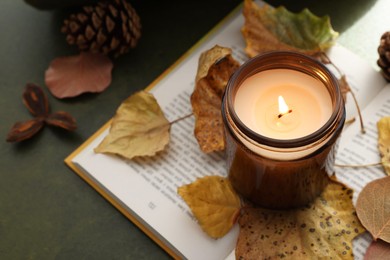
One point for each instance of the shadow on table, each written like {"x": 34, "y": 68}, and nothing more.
{"x": 343, "y": 13}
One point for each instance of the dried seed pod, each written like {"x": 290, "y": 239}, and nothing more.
{"x": 35, "y": 100}
{"x": 24, "y": 130}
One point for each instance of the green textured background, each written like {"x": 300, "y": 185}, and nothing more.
{"x": 47, "y": 211}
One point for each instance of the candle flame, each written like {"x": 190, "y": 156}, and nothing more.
{"x": 283, "y": 108}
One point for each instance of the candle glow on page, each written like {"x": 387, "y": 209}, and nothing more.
{"x": 256, "y": 103}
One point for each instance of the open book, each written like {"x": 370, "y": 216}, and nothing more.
{"x": 145, "y": 189}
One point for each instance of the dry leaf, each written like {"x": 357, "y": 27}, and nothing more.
{"x": 324, "y": 229}
{"x": 214, "y": 203}
{"x": 74, "y": 75}
{"x": 373, "y": 208}
{"x": 267, "y": 28}
{"x": 214, "y": 70}
{"x": 384, "y": 142}
{"x": 139, "y": 128}
{"x": 378, "y": 250}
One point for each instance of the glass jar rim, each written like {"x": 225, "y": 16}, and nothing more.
{"x": 285, "y": 60}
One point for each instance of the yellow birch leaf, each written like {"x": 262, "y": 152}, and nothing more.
{"x": 139, "y": 128}
{"x": 267, "y": 28}
{"x": 384, "y": 142}
{"x": 322, "y": 230}
{"x": 214, "y": 203}
{"x": 214, "y": 70}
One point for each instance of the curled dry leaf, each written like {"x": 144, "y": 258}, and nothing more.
{"x": 214, "y": 70}
{"x": 74, "y": 75}
{"x": 139, "y": 128}
{"x": 214, "y": 203}
{"x": 373, "y": 208}
{"x": 267, "y": 28}
{"x": 378, "y": 250}
{"x": 322, "y": 230}
{"x": 383, "y": 126}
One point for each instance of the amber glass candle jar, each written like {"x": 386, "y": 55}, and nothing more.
{"x": 279, "y": 157}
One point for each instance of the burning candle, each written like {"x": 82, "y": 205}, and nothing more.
{"x": 282, "y": 113}
{"x": 260, "y": 97}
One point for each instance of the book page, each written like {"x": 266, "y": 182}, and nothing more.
{"x": 356, "y": 148}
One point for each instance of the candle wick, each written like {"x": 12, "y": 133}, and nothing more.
{"x": 282, "y": 114}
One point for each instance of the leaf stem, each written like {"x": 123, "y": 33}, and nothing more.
{"x": 357, "y": 166}
{"x": 362, "y": 129}
{"x": 180, "y": 118}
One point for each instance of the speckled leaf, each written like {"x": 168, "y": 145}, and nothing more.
{"x": 139, "y": 128}
{"x": 384, "y": 142}
{"x": 378, "y": 250}
{"x": 267, "y": 28}
{"x": 74, "y": 75}
{"x": 214, "y": 203}
{"x": 373, "y": 208}
{"x": 322, "y": 230}
{"x": 214, "y": 70}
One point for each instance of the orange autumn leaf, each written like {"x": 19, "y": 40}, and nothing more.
{"x": 214, "y": 203}
{"x": 322, "y": 230}
{"x": 383, "y": 126}
{"x": 214, "y": 70}
{"x": 373, "y": 208}
{"x": 74, "y": 75}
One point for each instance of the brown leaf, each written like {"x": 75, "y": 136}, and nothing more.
{"x": 139, "y": 128}
{"x": 322, "y": 230}
{"x": 36, "y": 100}
{"x": 383, "y": 126}
{"x": 74, "y": 75}
{"x": 378, "y": 250}
{"x": 214, "y": 70}
{"x": 21, "y": 131}
{"x": 373, "y": 208}
{"x": 62, "y": 119}
{"x": 214, "y": 203}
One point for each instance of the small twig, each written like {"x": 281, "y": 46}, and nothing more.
{"x": 180, "y": 118}
{"x": 362, "y": 129}
{"x": 358, "y": 166}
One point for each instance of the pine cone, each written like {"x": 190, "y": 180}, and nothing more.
{"x": 384, "y": 55}
{"x": 110, "y": 27}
